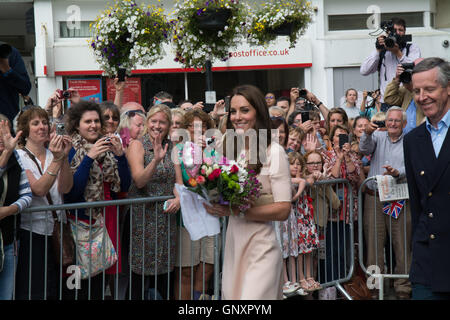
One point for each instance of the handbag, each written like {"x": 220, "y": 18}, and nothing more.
{"x": 95, "y": 250}
{"x": 356, "y": 287}
{"x": 58, "y": 238}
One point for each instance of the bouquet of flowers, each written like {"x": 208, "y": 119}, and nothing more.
{"x": 227, "y": 183}
{"x": 127, "y": 35}
{"x": 194, "y": 45}
{"x": 293, "y": 15}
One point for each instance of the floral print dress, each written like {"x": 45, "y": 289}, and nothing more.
{"x": 308, "y": 238}
{"x": 153, "y": 236}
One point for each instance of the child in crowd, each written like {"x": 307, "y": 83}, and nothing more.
{"x": 308, "y": 239}
{"x": 295, "y": 139}
{"x": 289, "y": 231}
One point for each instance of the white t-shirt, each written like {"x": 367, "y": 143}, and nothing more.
{"x": 40, "y": 222}
{"x": 352, "y": 112}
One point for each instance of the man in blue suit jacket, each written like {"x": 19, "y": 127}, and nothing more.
{"x": 427, "y": 163}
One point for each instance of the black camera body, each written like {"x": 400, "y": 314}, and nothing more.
{"x": 406, "y": 75}
{"x": 5, "y": 50}
{"x": 392, "y": 37}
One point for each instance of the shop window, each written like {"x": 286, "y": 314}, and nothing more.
{"x": 68, "y": 31}
{"x": 359, "y": 21}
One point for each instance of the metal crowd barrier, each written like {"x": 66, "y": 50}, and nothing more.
{"x": 120, "y": 282}
{"x": 404, "y": 223}
{"x": 333, "y": 261}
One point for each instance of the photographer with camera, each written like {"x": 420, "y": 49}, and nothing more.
{"x": 391, "y": 49}
{"x": 369, "y": 110}
{"x": 403, "y": 95}
{"x": 55, "y": 107}
{"x": 312, "y": 103}
{"x": 13, "y": 80}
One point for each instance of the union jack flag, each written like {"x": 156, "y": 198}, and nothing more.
{"x": 393, "y": 208}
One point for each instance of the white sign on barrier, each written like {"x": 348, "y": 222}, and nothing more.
{"x": 390, "y": 190}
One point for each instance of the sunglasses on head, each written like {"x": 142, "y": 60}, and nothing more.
{"x": 132, "y": 113}
{"x": 277, "y": 118}
{"x": 270, "y": 97}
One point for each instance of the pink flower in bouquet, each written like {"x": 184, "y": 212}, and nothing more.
{"x": 203, "y": 172}
{"x": 200, "y": 179}
{"x": 234, "y": 169}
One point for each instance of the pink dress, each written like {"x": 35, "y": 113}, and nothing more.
{"x": 252, "y": 267}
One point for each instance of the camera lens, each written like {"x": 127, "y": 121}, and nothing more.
{"x": 390, "y": 42}
{"x": 66, "y": 94}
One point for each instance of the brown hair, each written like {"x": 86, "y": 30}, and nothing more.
{"x": 23, "y": 122}
{"x": 293, "y": 156}
{"x": 306, "y": 155}
{"x": 75, "y": 113}
{"x": 341, "y": 127}
{"x": 190, "y": 115}
{"x": 257, "y": 100}
{"x": 297, "y": 131}
{"x": 334, "y": 111}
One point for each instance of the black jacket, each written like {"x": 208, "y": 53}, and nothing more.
{"x": 429, "y": 194}
{"x": 13, "y": 83}
{"x": 14, "y": 170}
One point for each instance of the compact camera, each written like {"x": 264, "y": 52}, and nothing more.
{"x": 66, "y": 94}
{"x": 60, "y": 129}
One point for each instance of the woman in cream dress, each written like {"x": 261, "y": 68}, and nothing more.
{"x": 252, "y": 267}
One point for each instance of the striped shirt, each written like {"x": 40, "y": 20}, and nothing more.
{"x": 25, "y": 194}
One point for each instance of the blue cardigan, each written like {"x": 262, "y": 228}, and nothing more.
{"x": 81, "y": 176}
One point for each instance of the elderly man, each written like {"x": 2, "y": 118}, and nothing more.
{"x": 427, "y": 162}
{"x": 386, "y": 149}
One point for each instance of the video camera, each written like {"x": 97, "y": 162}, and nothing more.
{"x": 392, "y": 37}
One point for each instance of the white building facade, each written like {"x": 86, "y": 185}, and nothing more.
{"x": 326, "y": 60}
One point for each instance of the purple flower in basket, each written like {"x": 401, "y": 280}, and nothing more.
{"x": 148, "y": 14}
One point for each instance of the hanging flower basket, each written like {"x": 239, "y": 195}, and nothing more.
{"x": 213, "y": 19}
{"x": 127, "y": 35}
{"x": 207, "y": 30}
{"x": 286, "y": 29}
{"x": 280, "y": 18}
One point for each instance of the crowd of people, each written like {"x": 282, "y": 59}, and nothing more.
{"x": 93, "y": 152}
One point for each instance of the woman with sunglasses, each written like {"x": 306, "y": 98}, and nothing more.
{"x": 111, "y": 116}
{"x": 131, "y": 127}
{"x": 270, "y": 99}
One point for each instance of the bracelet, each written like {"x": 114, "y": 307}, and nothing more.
{"x": 318, "y": 105}
{"x": 59, "y": 159}
{"x": 51, "y": 173}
